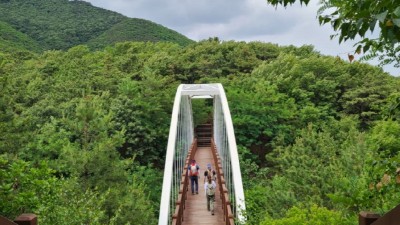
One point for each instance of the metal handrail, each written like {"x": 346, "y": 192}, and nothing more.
{"x": 226, "y": 205}
{"x": 177, "y": 217}
{"x": 170, "y": 178}
{"x": 230, "y": 160}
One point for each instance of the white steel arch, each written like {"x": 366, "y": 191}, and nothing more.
{"x": 225, "y": 140}
{"x": 181, "y": 109}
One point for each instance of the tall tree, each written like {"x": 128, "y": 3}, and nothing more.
{"x": 351, "y": 19}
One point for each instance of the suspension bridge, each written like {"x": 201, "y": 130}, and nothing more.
{"x": 215, "y": 144}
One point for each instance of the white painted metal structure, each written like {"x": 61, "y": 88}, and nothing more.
{"x": 181, "y": 137}
{"x": 225, "y": 141}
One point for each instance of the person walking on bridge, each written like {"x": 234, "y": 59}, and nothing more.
{"x": 210, "y": 187}
{"x": 211, "y": 172}
{"x": 194, "y": 171}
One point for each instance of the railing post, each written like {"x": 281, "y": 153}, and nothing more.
{"x": 227, "y": 208}
{"x": 367, "y": 218}
{"x": 26, "y": 219}
{"x": 6, "y": 221}
{"x": 175, "y": 219}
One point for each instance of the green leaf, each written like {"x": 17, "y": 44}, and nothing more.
{"x": 396, "y": 22}
{"x": 345, "y": 29}
{"x": 363, "y": 29}
{"x": 327, "y": 19}
{"x": 372, "y": 25}
{"x": 335, "y": 13}
{"x": 366, "y": 48}
{"x": 340, "y": 39}
{"x": 381, "y": 17}
{"x": 358, "y": 50}
{"x": 320, "y": 19}
{"x": 397, "y": 11}
{"x": 324, "y": 19}
{"x": 359, "y": 23}
{"x": 336, "y": 24}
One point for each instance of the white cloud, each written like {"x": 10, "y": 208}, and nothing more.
{"x": 240, "y": 20}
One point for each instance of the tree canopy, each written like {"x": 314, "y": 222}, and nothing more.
{"x": 351, "y": 19}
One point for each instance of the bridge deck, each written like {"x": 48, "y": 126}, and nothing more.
{"x": 196, "y": 205}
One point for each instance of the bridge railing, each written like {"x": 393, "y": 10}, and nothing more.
{"x": 369, "y": 218}
{"x": 225, "y": 143}
{"x": 177, "y": 217}
{"x": 181, "y": 136}
{"x": 226, "y": 203}
{"x": 23, "y": 219}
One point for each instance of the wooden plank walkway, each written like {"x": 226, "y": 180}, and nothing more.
{"x": 196, "y": 212}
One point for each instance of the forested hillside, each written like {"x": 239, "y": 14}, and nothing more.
{"x": 62, "y": 24}
{"x": 137, "y": 30}
{"x": 13, "y": 40}
{"x": 83, "y": 134}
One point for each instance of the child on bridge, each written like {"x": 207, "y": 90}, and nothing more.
{"x": 210, "y": 172}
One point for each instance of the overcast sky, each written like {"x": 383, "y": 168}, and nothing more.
{"x": 239, "y": 20}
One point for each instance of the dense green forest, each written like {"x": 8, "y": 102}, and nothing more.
{"x": 62, "y": 24}
{"x": 84, "y": 133}
{"x": 13, "y": 40}
{"x": 84, "y": 122}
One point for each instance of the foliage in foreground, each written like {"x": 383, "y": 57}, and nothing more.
{"x": 313, "y": 215}
{"x": 381, "y": 17}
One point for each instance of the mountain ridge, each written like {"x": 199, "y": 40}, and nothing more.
{"x": 62, "y": 24}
